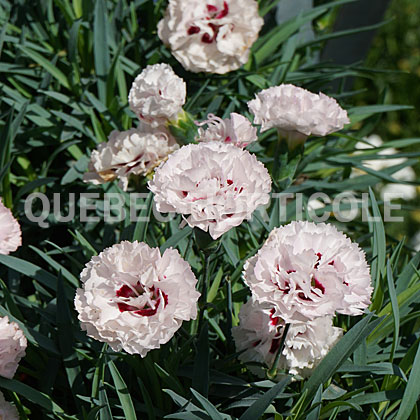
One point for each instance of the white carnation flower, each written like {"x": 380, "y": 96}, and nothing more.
{"x": 7, "y": 410}
{"x": 259, "y": 335}
{"x": 157, "y": 94}
{"x": 214, "y": 185}
{"x": 213, "y": 36}
{"x": 297, "y": 113}
{"x": 134, "y": 298}
{"x": 307, "y": 270}
{"x": 236, "y": 130}
{"x": 10, "y": 232}
{"x": 132, "y": 152}
{"x": 12, "y": 347}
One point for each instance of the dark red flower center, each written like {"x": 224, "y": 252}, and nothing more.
{"x": 213, "y": 13}
{"x": 150, "y": 308}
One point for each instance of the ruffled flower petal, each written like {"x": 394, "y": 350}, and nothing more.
{"x": 134, "y": 298}
{"x": 210, "y": 36}
{"x": 12, "y": 347}
{"x": 259, "y": 334}
{"x": 307, "y": 270}
{"x": 214, "y": 185}
{"x": 297, "y": 113}
{"x": 126, "y": 153}
{"x": 236, "y": 130}
{"x": 10, "y": 232}
{"x": 157, "y": 94}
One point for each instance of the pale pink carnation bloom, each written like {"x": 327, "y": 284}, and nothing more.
{"x": 12, "y": 347}
{"x": 126, "y": 153}
{"x": 134, "y": 298}
{"x": 215, "y": 186}
{"x": 307, "y": 270}
{"x": 7, "y": 410}
{"x": 213, "y": 36}
{"x": 297, "y": 113}
{"x": 10, "y": 232}
{"x": 259, "y": 335}
{"x": 236, "y": 130}
{"x": 157, "y": 94}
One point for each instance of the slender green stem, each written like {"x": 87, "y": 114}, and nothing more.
{"x": 273, "y": 370}
{"x": 204, "y": 286}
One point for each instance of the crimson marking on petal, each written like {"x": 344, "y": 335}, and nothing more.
{"x": 274, "y": 320}
{"x": 193, "y": 30}
{"x": 331, "y": 262}
{"x": 211, "y": 8}
{"x": 224, "y": 12}
{"x": 229, "y": 182}
{"x": 255, "y": 343}
{"x": 207, "y": 39}
{"x": 275, "y": 344}
{"x": 123, "y": 307}
{"x": 184, "y": 193}
{"x": 125, "y": 292}
{"x": 318, "y": 285}
{"x": 228, "y": 139}
{"x": 290, "y": 271}
{"x": 319, "y": 255}
{"x": 148, "y": 311}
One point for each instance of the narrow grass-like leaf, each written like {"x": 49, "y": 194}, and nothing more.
{"x": 147, "y": 400}
{"x": 210, "y": 409}
{"x": 411, "y": 392}
{"x": 200, "y": 380}
{"x": 143, "y": 219}
{"x": 123, "y": 392}
{"x": 395, "y": 309}
{"x": 100, "y": 48}
{"x": 46, "y": 64}
{"x": 31, "y": 394}
{"x": 258, "y": 408}
{"x": 65, "y": 273}
{"x": 339, "y": 354}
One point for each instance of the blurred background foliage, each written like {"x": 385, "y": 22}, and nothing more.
{"x": 396, "y": 47}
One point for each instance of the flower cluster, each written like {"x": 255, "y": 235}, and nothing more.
{"x": 134, "y": 298}
{"x": 212, "y": 35}
{"x": 214, "y": 185}
{"x": 12, "y": 347}
{"x": 156, "y": 96}
{"x": 302, "y": 276}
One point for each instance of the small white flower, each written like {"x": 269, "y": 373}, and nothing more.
{"x": 157, "y": 94}
{"x": 7, "y": 410}
{"x": 10, "y": 232}
{"x": 307, "y": 270}
{"x": 213, "y": 36}
{"x": 134, "y": 298}
{"x": 236, "y": 130}
{"x": 259, "y": 335}
{"x": 214, "y": 185}
{"x": 297, "y": 113}
{"x": 132, "y": 152}
{"x": 12, "y": 347}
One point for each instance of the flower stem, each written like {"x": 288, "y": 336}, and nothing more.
{"x": 272, "y": 373}
{"x": 204, "y": 286}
